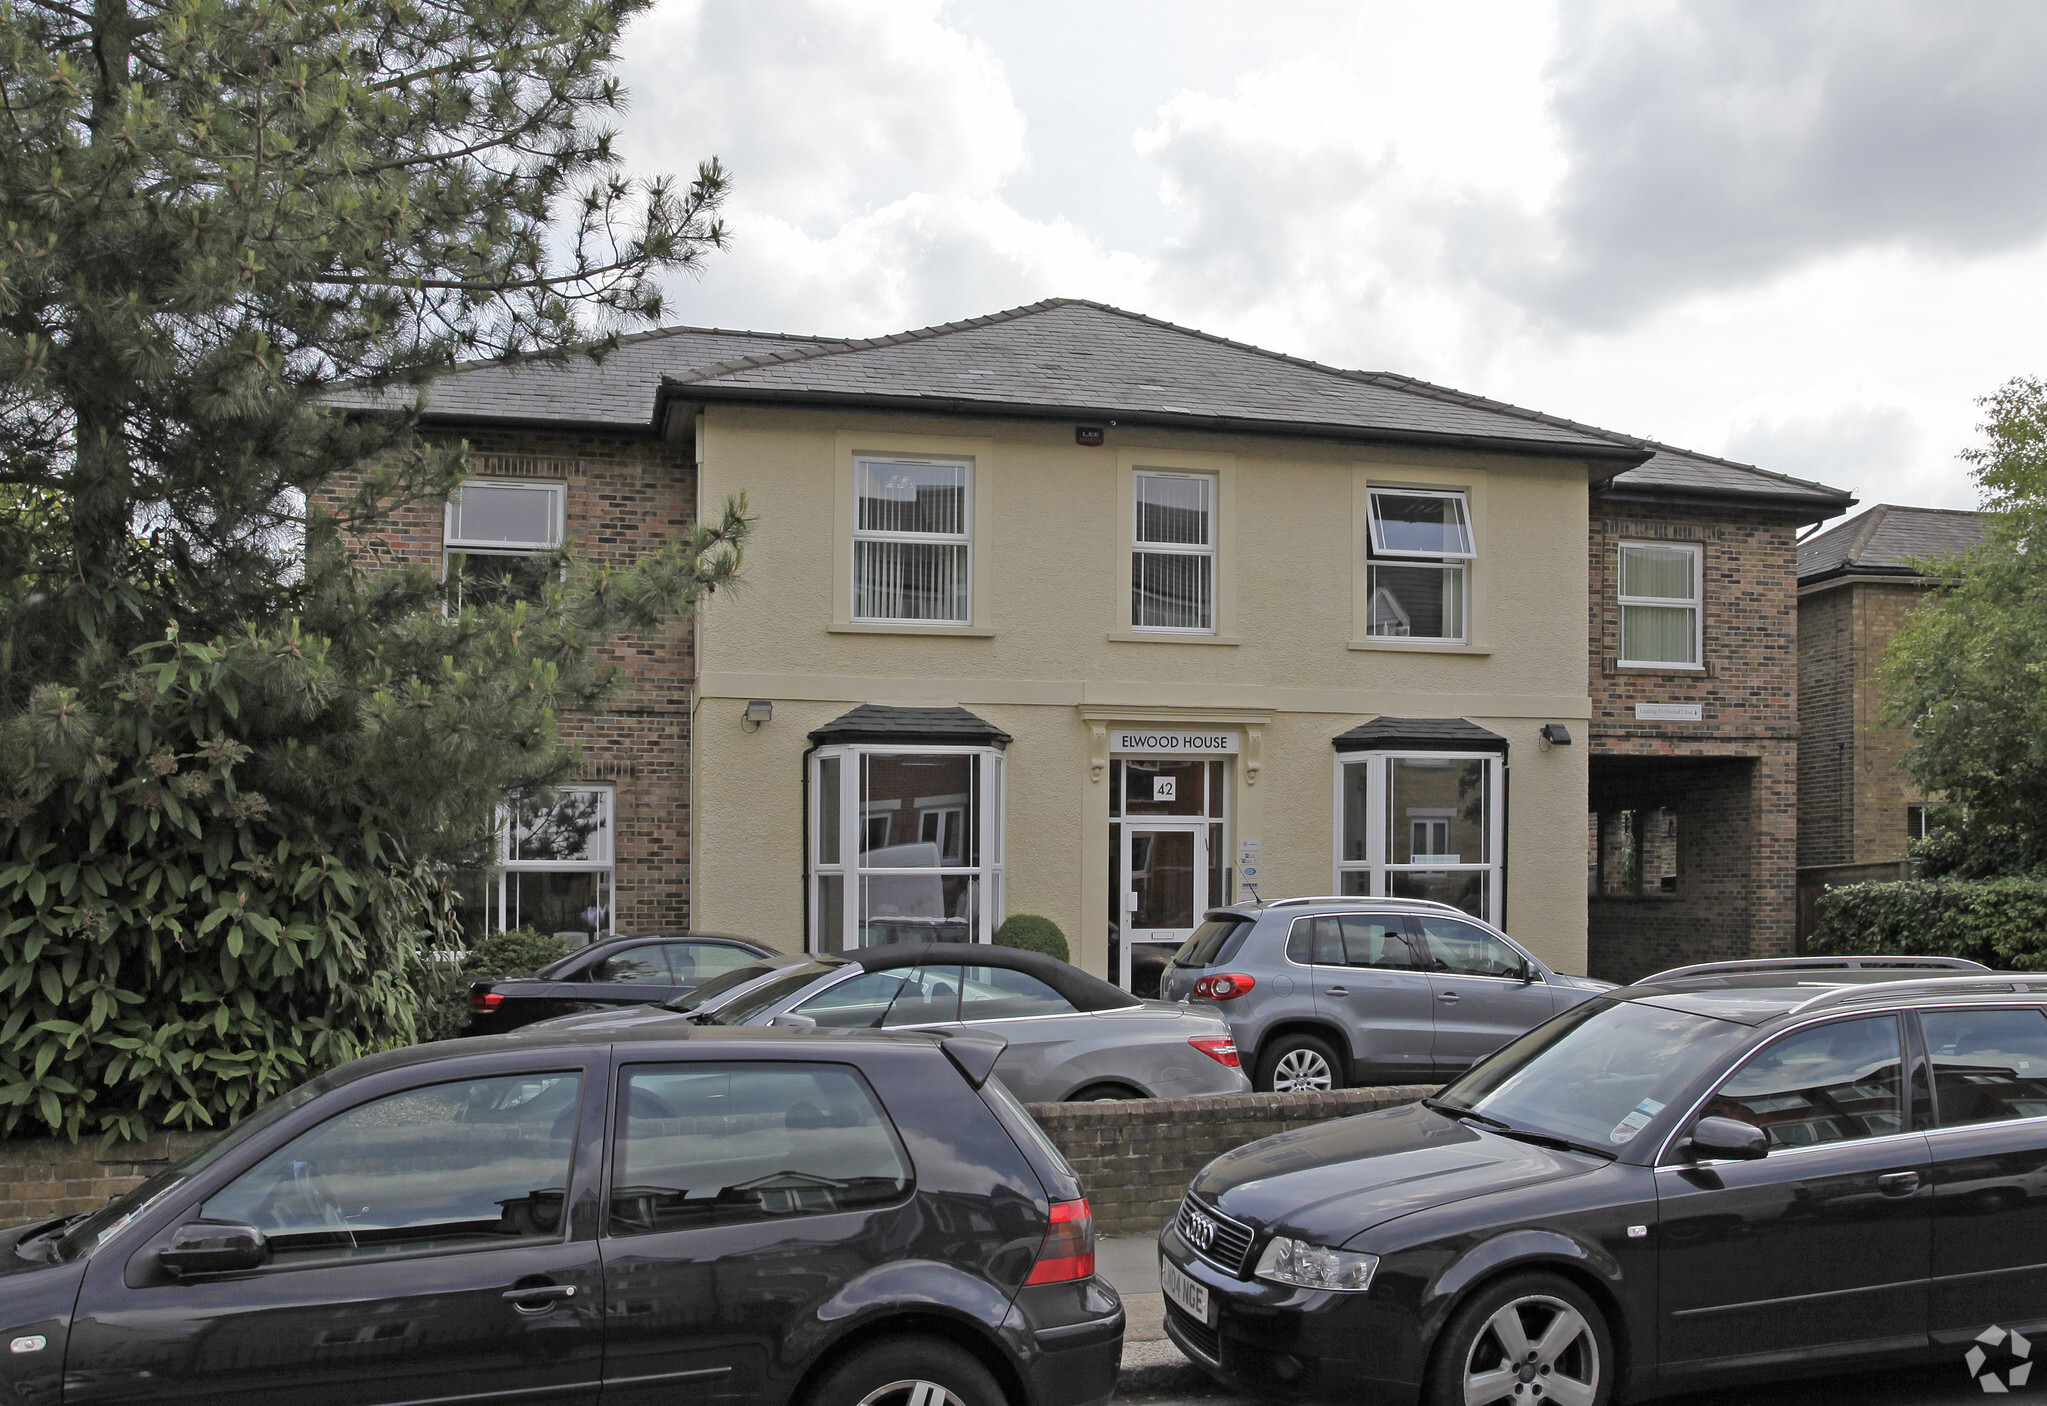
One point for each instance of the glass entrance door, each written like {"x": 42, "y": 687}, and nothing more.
{"x": 1165, "y": 869}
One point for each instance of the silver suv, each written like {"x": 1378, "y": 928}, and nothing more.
{"x": 1322, "y": 993}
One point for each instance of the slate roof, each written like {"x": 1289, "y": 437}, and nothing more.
{"x": 881, "y": 722}
{"x": 1884, "y": 541}
{"x": 1420, "y": 734}
{"x": 1071, "y": 359}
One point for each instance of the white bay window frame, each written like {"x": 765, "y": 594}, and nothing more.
{"x": 1376, "y": 866}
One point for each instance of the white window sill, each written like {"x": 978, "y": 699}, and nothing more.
{"x": 1402, "y": 646}
{"x": 877, "y": 627}
{"x": 1169, "y": 637}
{"x": 1622, "y": 665}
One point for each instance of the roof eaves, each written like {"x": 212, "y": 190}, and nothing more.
{"x": 1609, "y": 452}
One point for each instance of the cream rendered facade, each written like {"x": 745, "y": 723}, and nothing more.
{"x": 1050, "y": 656}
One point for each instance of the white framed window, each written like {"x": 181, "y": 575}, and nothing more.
{"x": 500, "y": 540}
{"x": 912, "y": 548}
{"x": 1659, "y": 600}
{"x": 905, "y": 845}
{"x": 556, "y": 864}
{"x": 1418, "y": 572}
{"x": 1172, "y": 559}
{"x": 1422, "y": 825}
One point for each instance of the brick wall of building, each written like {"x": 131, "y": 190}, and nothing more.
{"x": 625, "y": 496}
{"x": 1733, "y": 775}
{"x": 1826, "y": 727}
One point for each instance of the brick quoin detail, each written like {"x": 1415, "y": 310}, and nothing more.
{"x": 625, "y": 496}
{"x": 1732, "y": 777}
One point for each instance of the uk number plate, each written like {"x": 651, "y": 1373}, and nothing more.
{"x": 1191, "y": 1297}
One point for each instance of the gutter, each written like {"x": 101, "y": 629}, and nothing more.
{"x": 1808, "y": 508}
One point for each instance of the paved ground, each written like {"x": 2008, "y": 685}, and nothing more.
{"x": 1155, "y": 1373}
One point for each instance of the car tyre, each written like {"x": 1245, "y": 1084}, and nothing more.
{"x": 1527, "y": 1340}
{"x": 1299, "y": 1064}
{"x": 908, "y": 1372}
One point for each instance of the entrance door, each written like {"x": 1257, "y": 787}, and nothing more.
{"x": 1165, "y": 883}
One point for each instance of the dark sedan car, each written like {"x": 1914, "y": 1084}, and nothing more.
{"x": 661, "y": 1214}
{"x": 621, "y": 971}
{"x": 1720, "y": 1175}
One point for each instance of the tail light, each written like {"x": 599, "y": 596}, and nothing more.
{"x": 1069, "y": 1249}
{"x": 1226, "y": 986}
{"x": 486, "y": 1000}
{"x": 1220, "y": 1048}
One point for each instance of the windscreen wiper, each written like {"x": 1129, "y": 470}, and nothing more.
{"x": 1451, "y": 1111}
{"x": 1506, "y": 1129}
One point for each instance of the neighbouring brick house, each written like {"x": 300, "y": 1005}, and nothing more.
{"x": 1858, "y": 810}
{"x": 1044, "y": 416}
{"x": 1694, "y": 680}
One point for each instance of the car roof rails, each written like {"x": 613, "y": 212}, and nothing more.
{"x": 1377, "y": 901}
{"x": 2013, "y": 983}
{"x": 1775, "y": 964}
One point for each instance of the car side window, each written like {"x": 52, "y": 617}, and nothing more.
{"x": 1988, "y": 1066}
{"x": 996, "y": 993}
{"x": 646, "y": 966}
{"x": 469, "y": 1164}
{"x": 1460, "y": 949}
{"x": 726, "y": 1144}
{"x": 858, "y": 1003}
{"x": 699, "y": 961}
{"x": 1316, "y": 942}
{"x": 928, "y": 995}
{"x": 1375, "y": 942}
{"x": 1831, "y": 1083}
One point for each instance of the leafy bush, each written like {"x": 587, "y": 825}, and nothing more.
{"x": 518, "y": 952}
{"x": 443, "y": 986}
{"x": 2001, "y": 923}
{"x": 1031, "y": 933}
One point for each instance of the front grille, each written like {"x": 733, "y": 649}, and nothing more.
{"x": 1205, "y": 1341}
{"x": 1223, "y": 1242}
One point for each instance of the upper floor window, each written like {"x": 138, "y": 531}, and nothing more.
{"x": 911, "y": 544}
{"x": 1421, "y": 547}
{"x": 1659, "y": 601}
{"x": 1172, "y": 563}
{"x": 501, "y": 539}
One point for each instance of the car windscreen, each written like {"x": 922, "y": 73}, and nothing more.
{"x": 1205, "y": 948}
{"x": 1595, "y": 1075}
{"x": 708, "y": 992}
{"x": 754, "y": 1000}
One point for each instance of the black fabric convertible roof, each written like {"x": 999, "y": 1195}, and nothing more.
{"x": 1087, "y": 993}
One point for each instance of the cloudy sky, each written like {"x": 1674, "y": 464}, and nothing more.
{"x": 1805, "y": 235}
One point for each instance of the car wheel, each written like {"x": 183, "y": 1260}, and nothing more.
{"x": 908, "y": 1372}
{"x": 1530, "y": 1340}
{"x": 1296, "y": 1064}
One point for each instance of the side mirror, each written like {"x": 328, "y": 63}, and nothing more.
{"x": 1529, "y": 975}
{"x": 789, "y": 1020}
{"x": 1729, "y": 1138}
{"x": 206, "y": 1248}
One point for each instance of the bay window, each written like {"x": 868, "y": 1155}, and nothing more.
{"x": 906, "y": 845}
{"x": 1172, "y": 561}
{"x": 555, "y": 864}
{"x": 1420, "y": 825}
{"x": 1659, "y": 601}
{"x": 1419, "y": 551}
{"x": 911, "y": 542}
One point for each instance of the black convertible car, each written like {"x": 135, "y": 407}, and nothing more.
{"x": 621, "y": 971}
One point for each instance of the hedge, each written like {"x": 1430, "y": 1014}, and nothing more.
{"x": 2001, "y": 923}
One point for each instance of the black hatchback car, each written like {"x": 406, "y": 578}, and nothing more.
{"x": 1722, "y": 1174}
{"x": 621, "y": 971}
{"x": 663, "y": 1213}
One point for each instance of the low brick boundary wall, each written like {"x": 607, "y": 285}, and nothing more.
{"x": 45, "y": 1177}
{"x": 1136, "y": 1156}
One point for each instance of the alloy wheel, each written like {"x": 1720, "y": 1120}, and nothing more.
{"x": 1531, "y": 1352}
{"x": 1301, "y": 1071}
{"x": 911, "y": 1393}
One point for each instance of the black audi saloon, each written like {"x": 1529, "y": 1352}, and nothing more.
{"x": 665, "y": 1213}
{"x": 1722, "y": 1174}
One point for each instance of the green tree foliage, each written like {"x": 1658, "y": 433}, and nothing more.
{"x": 1033, "y": 934}
{"x": 2001, "y": 923}
{"x": 236, "y": 769}
{"x": 1968, "y": 673}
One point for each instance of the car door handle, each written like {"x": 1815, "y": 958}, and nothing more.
{"x": 1450, "y": 996}
{"x": 1339, "y": 991}
{"x": 538, "y": 1295}
{"x": 1898, "y": 1183}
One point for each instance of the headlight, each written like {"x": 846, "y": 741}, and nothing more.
{"x": 1308, "y": 1266}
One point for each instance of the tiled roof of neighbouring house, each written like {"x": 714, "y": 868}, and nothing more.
{"x": 1072, "y": 359}
{"x": 882, "y": 722}
{"x": 1422, "y": 734}
{"x": 1886, "y": 540}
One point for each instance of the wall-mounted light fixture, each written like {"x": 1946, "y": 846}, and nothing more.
{"x": 1554, "y": 735}
{"x": 758, "y": 711}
